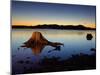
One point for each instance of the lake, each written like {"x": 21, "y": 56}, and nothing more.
{"x": 74, "y": 41}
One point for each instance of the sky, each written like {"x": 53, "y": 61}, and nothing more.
{"x": 34, "y": 13}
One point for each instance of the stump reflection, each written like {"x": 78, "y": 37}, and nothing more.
{"x": 37, "y": 42}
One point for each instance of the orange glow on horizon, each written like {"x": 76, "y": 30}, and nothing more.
{"x": 37, "y": 22}
{"x": 26, "y": 23}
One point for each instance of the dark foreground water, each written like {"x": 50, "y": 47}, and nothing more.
{"x": 74, "y": 41}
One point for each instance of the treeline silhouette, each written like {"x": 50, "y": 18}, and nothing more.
{"x": 54, "y": 26}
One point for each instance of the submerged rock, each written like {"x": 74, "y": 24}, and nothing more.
{"x": 21, "y": 61}
{"x": 93, "y": 49}
{"x": 28, "y": 57}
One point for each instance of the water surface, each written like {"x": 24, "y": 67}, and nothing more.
{"x": 74, "y": 41}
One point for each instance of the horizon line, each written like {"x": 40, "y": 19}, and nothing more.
{"x": 55, "y": 24}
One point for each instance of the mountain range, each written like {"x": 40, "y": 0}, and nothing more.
{"x": 54, "y": 26}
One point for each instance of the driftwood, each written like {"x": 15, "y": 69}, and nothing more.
{"x": 37, "y": 42}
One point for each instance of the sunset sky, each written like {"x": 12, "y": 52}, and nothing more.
{"x": 34, "y": 13}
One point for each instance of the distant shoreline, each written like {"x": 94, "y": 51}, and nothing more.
{"x": 52, "y": 29}
{"x": 54, "y": 26}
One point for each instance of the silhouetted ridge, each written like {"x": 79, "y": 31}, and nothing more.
{"x": 55, "y": 26}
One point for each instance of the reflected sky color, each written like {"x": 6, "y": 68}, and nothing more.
{"x": 75, "y": 42}
{"x": 33, "y": 13}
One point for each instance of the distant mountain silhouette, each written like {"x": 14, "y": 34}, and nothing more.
{"x": 55, "y": 26}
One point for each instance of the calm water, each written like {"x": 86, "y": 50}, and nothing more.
{"x": 75, "y": 42}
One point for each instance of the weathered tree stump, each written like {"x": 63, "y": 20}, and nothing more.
{"x": 37, "y": 42}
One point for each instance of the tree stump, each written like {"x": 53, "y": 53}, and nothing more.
{"x": 37, "y": 42}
